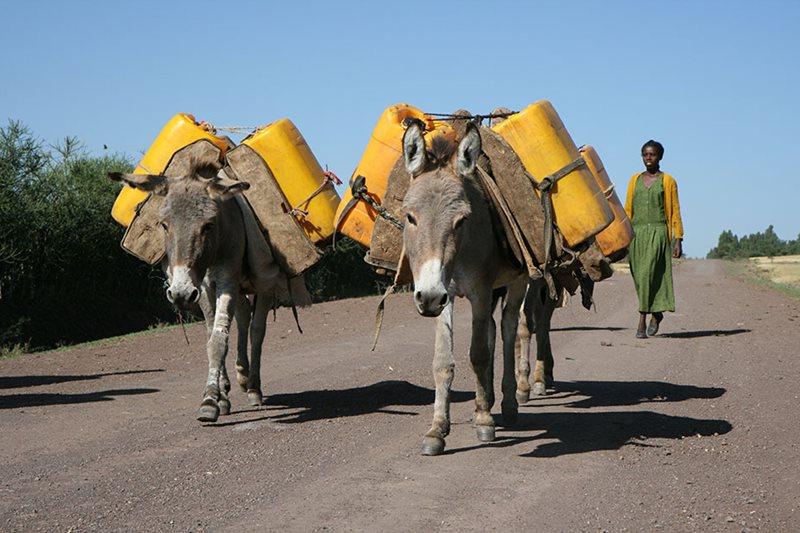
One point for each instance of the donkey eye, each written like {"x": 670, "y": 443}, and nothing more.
{"x": 208, "y": 227}
{"x": 411, "y": 220}
{"x": 164, "y": 225}
{"x": 459, "y": 222}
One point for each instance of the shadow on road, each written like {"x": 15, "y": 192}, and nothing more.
{"x": 589, "y": 328}
{"x": 13, "y": 401}
{"x": 617, "y": 393}
{"x": 337, "y": 403}
{"x": 17, "y": 382}
{"x": 570, "y": 433}
{"x": 703, "y": 333}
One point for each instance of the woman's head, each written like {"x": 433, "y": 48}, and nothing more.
{"x": 652, "y": 153}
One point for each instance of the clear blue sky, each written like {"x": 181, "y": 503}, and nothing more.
{"x": 715, "y": 82}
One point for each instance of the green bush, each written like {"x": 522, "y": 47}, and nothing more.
{"x": 63, "y": 276}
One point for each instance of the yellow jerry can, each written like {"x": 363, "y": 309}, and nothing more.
{"x": 299, "y": 175}
{"x": 544, "y": 146}
{"x": 385, "y": 147}
{"x": 618, "y": 235}
{"x": 179, "y": 132}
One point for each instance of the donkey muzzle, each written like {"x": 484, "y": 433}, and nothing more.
{"x": 182, "y": 291}
{"x": 430, "y": 303}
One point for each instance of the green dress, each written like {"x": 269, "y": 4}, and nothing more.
{"x": 650, "y": 251}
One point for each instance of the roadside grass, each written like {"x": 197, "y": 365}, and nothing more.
{"x": 18, "y": 350}
{"x": 779, "y": 273}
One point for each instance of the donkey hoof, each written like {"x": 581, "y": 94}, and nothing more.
{"x": 255, "y": 398}
{"x": 432, "y": 445}
{"x": 523, "y": 396}
{"x": 208, "y": 413}
{"x": 539, "y": 389}
{"x": 485, "y": 433}
{"x": 224, "y": 407}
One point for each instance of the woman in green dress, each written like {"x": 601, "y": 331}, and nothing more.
{"x": 653, "y": 207}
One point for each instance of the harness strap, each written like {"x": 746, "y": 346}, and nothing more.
{"x": 358, "y": 189}
{"x": 545, "y": 186}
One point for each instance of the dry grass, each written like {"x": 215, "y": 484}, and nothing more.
{"x": 783, "y": 270}
{"x": 781, "y": 273}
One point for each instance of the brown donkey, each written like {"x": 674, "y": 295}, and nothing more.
{"x": 213, "y": 258}
{"x": 453, "y": 251}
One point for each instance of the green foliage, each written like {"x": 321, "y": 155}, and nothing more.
{"x": 761, "y": 244}
{"x": 63, "y": 277}
{"x": 344, "y": 274}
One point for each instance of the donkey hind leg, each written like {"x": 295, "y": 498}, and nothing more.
{"x": 217, "y": 348}
{"x": 242, "y": 327}
{"x": 543, "y": 307}
{"x": 480, "y": 359}
{"x": 522, "y": 351}
{"x": 258, "y": 329}
{"x": 443, "y": 369}
{"x": 508, "y": 327}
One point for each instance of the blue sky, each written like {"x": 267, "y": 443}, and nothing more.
{"x": 715, "y": 82}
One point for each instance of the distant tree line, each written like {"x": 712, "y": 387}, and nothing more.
{"x": 761, "y": 244}
{"x": 63, "y": 276}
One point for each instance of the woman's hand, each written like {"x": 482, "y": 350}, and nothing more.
{"x": 678, "y": 249}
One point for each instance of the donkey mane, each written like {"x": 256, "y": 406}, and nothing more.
{"x": 203, "y": 168}
{"x": 441, "y": 151}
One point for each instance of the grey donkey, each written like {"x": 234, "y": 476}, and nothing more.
{"x": 214, "y": 257}
{"x": 452, "y": 250}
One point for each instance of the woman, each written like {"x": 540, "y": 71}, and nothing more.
{"x": 653, "y": 207}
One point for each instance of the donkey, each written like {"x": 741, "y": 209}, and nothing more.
{"x": 452, "y": 250}
{"x": 212, "y": 260}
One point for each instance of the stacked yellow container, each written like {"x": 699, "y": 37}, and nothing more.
{"x": 544, "y": 146}
{"x": 299, "y": 175}
{"x": 618, "y": 235}
{"x": 385, "y": 147}
{"x": 179, "y": 132}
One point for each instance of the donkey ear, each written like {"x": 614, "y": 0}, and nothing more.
{"x": 414, "y": 148}
{"x": 223, "y": 188}
{"x": 146, "y": 182}
{"x": 468, "y": 151}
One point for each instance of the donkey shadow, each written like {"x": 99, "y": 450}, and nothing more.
{"x": 567, "y": 433}
{"x": 621, "y": 393}
{"x": 325, "y": 404}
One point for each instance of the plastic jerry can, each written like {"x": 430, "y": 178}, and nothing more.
{"x": 299, "y": 175}
{"x": 618, "y": 235}
{"x": 384, "y": 148}
{"x": 544, "y": 146}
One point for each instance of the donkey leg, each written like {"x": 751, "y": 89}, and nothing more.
{"x": 522, "y": 352}
{"x": 480, "y": 359}
{"x": 443, "y": 370}
{"x": 543, "y": 307}
{"x": 224, "y": 401}
{"x": 217, "y": 348}
{"x": 258, "y": 329}
{"x": 242, "y": 327}
{"x": 508, "y": 325}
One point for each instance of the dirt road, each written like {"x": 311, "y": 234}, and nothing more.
{"x": 696, "y": 429}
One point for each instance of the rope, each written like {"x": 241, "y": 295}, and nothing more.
{"x": 329, "y": 178}
{"x": 359, "y": 190}
{"x": 477, "y": 118}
